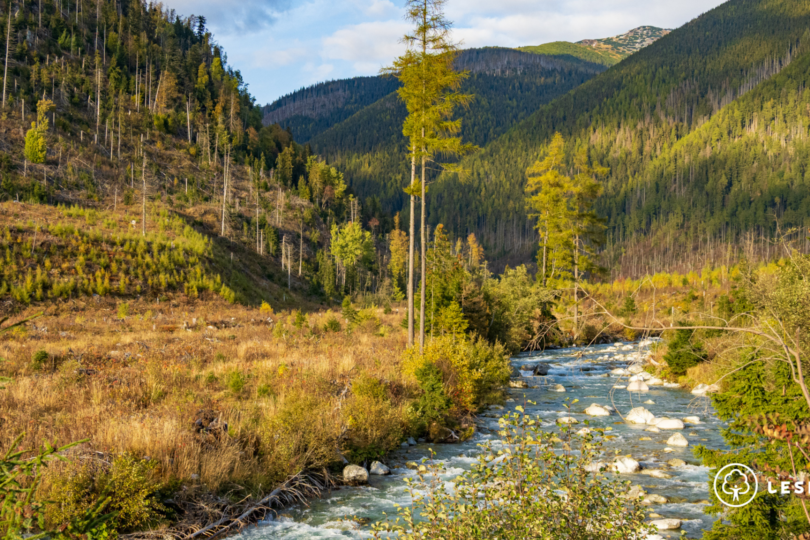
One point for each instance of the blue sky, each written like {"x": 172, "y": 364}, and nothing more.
{"x": 283, "y": 45}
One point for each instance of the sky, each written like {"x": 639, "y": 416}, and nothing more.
{"x": 281, "y": 46}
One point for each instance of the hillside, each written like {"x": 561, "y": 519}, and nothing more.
{"x": 606, "y": 51}
{"x": 672, "y": 173}
{"x": 508, "y": 86}
{"x": 312, "y": 111}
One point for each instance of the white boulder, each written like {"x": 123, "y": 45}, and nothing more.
{"x": 597, "y": 410}
{"x": 379, "y": 469}
{"x": 655, "y": 381}
{"x": 567, "y": 420}
{"x": 692, "y": 420}
{"x": 703, "y": 389}
{"x": 621, "y": 372}
{"x": 677, "y": 440}
{"x": 639, "y": 415}
{"x": 596, "y": 466}
{"x": 669, "y": 423}
{"x": 638, "y": 386}
{"x": 653, "y": 429}
{"x": 666, "y": 524}
{"x": 625, "y": 465}
{"x": 557, "y": 388}
{"x": 354, "y": 475}
{"x": 635, "y": 369}
{"x": 584, "y": 431}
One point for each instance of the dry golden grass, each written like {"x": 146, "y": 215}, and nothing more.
{"x": 137, "y": 385}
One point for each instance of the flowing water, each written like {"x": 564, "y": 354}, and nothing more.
{"x": 585, "y": 374}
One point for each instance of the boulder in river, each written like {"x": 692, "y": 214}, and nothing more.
{"x": 597, "y": 410}
{"x": 379, "y": 469}
{"x": 635, "y": 369}
{"x": 655, "y": 381}
{"x": 567, "y": 420}
{"x": 703, "y": 389}
{"x": 518, "y": 383}
{"x": 635, "y": 492}
{"x": 653, "y": 498}
{"x": 584, "y": 431}
{"x": 692, "y": 420}
{"x": 676, "y": 462}
{"x": 677, "y": 440}
{"x": 557, "y": 388}
{"x": 653, "y": 429}
{"x": 538, "y": 370}
{"x": 638, "y": 386}
{"x": 596, "y": 466}
{"x": 354, "y": 475}
{"x": 620, "y": 372}
{"x": 411, "y": 465}
{"x": 666, "y": 524}
{"x": 669, "y": 423}
{"x": 639, "y": 415}
{"x": 625, "y": 465}
{"x": 656, "y": 473}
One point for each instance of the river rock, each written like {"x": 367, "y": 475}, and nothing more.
{"x": 596, "y": 466}
{"x": 557, "y": 388}
{"x": 422, "y": 469}
{"x": 635, "y": 369}
{"x": 584, "y": 431}
{"x": 677, "y": 440}
{"x": 671, "y": 385}
{"x": 639, "y": 415}
{"x": 597, "y": 410}
{"x": 635, "y": 492}
{"x": 653, "y": 498}
{"x": 666, "y": 524}
{"x": 649, "y": 402}
{"x": 638, "y": 386}
{"x": 567, "y": 420}
{"x": 515, "y": 372}
{"x": 412, "y": 465}
{"x": 676, "y": 462}
{"x": 619, "y": 387}
{"x": 653, "y": 429}
{"x": 692, "y": 420}
{"x": 379, "y": 469}
{"x": 538, "y": 370}
{"x": 655, "y": 381}
{"x": 518, "y": 383}
{"x": 656, "y": 473}
{"x": 703, "y": 389}
{"x": 354, "y": 475}
{"x": 669, "y": 423}
{"x": 625, "y": 465}
{"x": 620, "y": 372}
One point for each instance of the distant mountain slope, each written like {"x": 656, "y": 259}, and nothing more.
{"x": 626, "y": 44}
{"x": 637, "y": 118}
{"x": 573, "y": 52}
{"x": 606, "y": 51}
{"x": 312, "y": 110}
{"x": 509, "y": 85}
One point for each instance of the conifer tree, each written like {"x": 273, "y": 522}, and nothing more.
{"x": 35, "y": 146}
{"x": 430, "y": 92}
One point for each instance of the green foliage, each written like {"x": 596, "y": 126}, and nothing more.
{"x": 534, "y": 486}
{"x": 236, "y": 381}
{"x": 573, "y": 52}
{"x": 38, "y": 360}
{"x": 683, "y": 352}
{"x": 123, "y": 310}
{"x": 628, "y": 307}
{"x": 434, "y": 403}
{"x": 129, "y": 481}
{"x": 23, "y": 513}
{"x": 348, "y": 311}
{"x": 332, "y": 324}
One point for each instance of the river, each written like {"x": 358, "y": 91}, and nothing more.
{"x": 585, "y": 375}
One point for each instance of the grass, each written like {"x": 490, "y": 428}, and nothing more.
{"x": 136, "y": 385}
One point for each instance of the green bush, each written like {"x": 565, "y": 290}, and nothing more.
{"x": 684, "y": 352}
{"x": 534, "y": 486}
{"x": 434, "y": 403}
{"x": 38, "y": 360}
{"x": 236, "y": 381}
{"x": 332, "y": 324}
{"x": 348, "y": 311}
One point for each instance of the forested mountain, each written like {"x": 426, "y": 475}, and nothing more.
{"x": 311, "y": 111}
{"x": 703, "y": 132}
{"x": 508, "y": 86}
{"x": 606, "y": 51}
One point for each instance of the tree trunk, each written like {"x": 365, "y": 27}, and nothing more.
{"x": 423, "y": 248}
{"x": 411, "y": 254}
{"x": 5, "y": 67}
{"x": 576, "y": 286}
{"x": 143, "y": 216}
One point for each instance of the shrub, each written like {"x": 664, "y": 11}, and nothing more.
{"x": 300, "y": 320}
{"x": 628, "y": 308}
{"x": 332, "y": 324}
{"x": 129, "y": 483}
{"x": 375, "y": 425}
{"x": 348, "y": 312}
{"x": 123, "y": 310}
{"x": 537, "y": 488}
{"x": 266, "y": 309}
{"x": 236, "y": 381}
{"x": 683, "y": 352}
{"x": 38, "y": 360}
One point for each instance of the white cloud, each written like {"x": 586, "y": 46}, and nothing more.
{"x": 234, "y": 17}
{"x": 367, "y": 45}
{"x": 381, "y": 8}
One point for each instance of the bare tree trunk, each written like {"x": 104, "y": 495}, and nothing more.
{"x": 188, "y": 117}
{"x": 8, "y": 43}
{"x": 143, "y": 215}
{"x": 301, "y": 251}
{"x": 423, "y": 240}
{"x": 224, "y": 191}
{"x": 411, "y": 254}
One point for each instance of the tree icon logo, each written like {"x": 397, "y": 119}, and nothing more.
{"x": 735, "y": 485}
